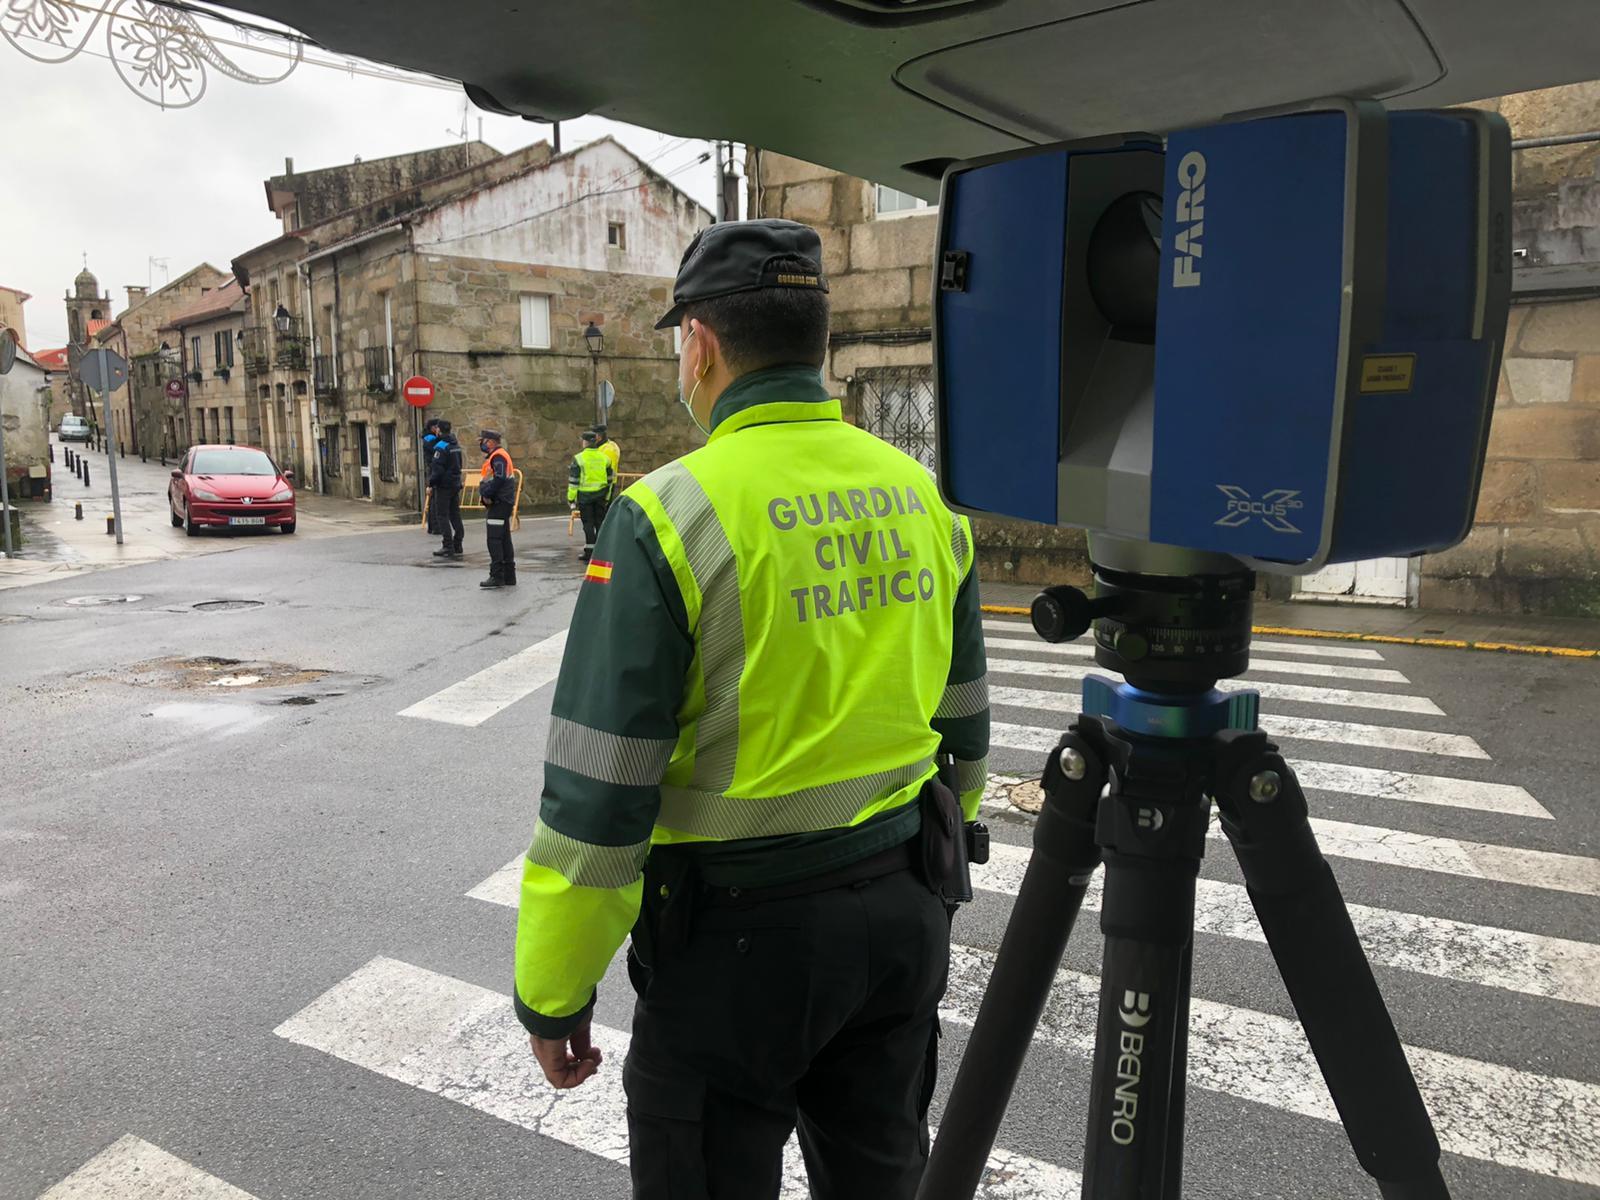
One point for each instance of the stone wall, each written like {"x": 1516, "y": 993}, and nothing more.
{"x": 880, "y": 279}
{"x": 1536, "y": 545}
{"x": 11, "y": 314}
{"x": 318, "y": 195}
{"x": 542, "y": 400}
{"x": 138, "y": 331}
{"x": 217, "y": 408}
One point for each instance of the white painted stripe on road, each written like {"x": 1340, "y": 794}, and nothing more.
{"x": 504, "y": 887}
{"x": 462, "y": 1042}
{"x": 1481, "y": 1110}
{"x": 1344, "y": 779}
{"x": 133, "y": 1169}
{"x": 1315, "y": 729}
{"x": 1449, "y": 856}
{"x": 1336, "y": 697}
{"x": 1418, "y": 852}
{"x": 1300, "y": 649}
{"x": 1556, "y": 968}
{"x": 1270, "y": 665}
{"x": 478, "y": 697}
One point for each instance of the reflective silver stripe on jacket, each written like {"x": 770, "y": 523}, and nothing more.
{"x": 970, "y": 776}
{"x": 827, "y": 806}
{"x": 608, "y": 757}
{"x": 584, "y": 864}
{"x": 721, "y": 630}
{"x": 959, "y": 545}
{"x": 964, "y": 699}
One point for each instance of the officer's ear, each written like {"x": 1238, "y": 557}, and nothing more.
{"x": 707, "y": 350}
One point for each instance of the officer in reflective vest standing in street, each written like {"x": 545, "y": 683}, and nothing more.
{"x": 497, "y": 489}
{"x": 589, "y": 483}
{"x": 777, "y": 638}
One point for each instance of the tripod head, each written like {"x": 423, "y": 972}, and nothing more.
{"x": 1166, "y": 619}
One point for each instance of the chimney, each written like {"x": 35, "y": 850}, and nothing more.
{"x": 136, "y": 294}
{"x": 288, "y": 166}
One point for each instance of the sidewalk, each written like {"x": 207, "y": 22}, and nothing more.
{"x": 1412, "y": 626}
{"x": 58, "y": 545}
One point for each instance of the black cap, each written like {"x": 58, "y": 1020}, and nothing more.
{"x": 590, "y": 436}
{"x": 444, "y": 426}
{"x": 744, "y": 256}
{"x": 486, "y": 434}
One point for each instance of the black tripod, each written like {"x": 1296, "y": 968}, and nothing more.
{"x": 1131, "y": 783}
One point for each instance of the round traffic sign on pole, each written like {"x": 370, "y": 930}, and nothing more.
{"x": 418, "y": 391}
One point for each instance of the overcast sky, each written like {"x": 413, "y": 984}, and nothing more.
{"x": 91, "y": 168}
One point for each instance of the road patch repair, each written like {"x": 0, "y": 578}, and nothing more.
{"x": 206, "y": 672}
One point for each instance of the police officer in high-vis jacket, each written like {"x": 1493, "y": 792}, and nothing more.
{"x": 497, "y": 489}
{"x": 777, "y": 635}
{"x": 590, "y": 479}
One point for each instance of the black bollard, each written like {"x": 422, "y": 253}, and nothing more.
{"x": 67, "y": 451}
{"x": 52, "y": 452}
{"x": 121, "y": 452}
{"x": 86, "y": 472}
{"x": 111, "y": 523}
{"x": 77, "y": 511}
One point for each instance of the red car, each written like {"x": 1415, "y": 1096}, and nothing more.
{"x": 230, "y": 487}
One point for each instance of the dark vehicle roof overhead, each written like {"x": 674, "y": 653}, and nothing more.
{"x": 892, "y": 89}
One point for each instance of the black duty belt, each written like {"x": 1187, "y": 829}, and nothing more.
{"x": 886, "y": 862}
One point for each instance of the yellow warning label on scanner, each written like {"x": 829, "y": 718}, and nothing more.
{"x": 1387, "y": 372}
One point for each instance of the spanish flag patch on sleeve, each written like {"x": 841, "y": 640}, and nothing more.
{"x": 598, "y": 572}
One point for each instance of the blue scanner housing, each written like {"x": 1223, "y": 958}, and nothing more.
{"x": 1330, "y": 303}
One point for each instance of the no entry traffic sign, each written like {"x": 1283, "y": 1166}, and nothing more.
{"x": 418, "y": 391}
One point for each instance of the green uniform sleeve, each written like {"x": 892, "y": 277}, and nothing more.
{"x": 613, "y": 726}
{"x": 962, "y": 718}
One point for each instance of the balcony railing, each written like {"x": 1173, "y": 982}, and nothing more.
{"x": 253, "y": 350}
{"x": 289, "y": 343}
{"x": 378, "y": 369}
{"x": 326, "y": 380}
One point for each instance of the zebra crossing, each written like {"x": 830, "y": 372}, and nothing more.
{"x": 459, "y": 1042}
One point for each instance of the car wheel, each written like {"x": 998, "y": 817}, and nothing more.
{"x": 287, "y": 527}
{"x": 189, "y": 527}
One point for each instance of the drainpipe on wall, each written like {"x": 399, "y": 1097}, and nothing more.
{"x": 312, "y": 455}
{"x": 416, "y": 360}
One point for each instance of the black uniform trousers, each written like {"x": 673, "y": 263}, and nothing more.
{"x": 592, "y": 511}
{"x": 497, "y": 520}
{"x": 449, "y": 516}
{"x": 817, "y": 1010}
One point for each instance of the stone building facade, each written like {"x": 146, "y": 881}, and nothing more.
{"x": 291, "y": 344}
{"x": 140, "y": 330}
{"x": 88, "y": 312}
{"x": 485, "y": 285}
{"x": 11, "y": 314}
{"x": 1535, "y": 547}
{"x": 213, "y": 404}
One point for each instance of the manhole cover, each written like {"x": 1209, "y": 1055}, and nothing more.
{"x": 96, "y": 601}
{"x": 227, "y": 605}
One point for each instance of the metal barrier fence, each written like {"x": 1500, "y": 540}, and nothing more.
{"x": 470, "y": 500}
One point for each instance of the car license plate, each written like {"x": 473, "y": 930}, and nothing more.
{"x": 247, "y": 520}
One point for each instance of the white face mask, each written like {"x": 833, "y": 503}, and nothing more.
{"x": 688, "y": 401}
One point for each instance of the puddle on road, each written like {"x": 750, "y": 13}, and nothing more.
{"x": 222, "y": 719}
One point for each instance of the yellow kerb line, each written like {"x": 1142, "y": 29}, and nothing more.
{"x": 1012, "y": 610}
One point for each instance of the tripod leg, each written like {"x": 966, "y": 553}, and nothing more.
{"x": 1325, "y": 970}
{"x": 1153, "y": 842}
{"x": 1064, "y": 858}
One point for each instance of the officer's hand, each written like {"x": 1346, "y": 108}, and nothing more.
{"x": 563, "y": 1069}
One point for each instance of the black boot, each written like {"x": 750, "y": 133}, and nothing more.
{"x": 509, "y": 575}
{"x": 446, "y": 552}
{"x": 456, "y": 551}
{"x": 496, "y": 577}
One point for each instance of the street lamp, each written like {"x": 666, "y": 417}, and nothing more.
{"x": 597, "y": 343}
{"x": 280, "y": 320}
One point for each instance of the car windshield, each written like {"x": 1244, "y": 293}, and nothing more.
{"x": 232, "y": 462}
{"x": 73, "y": 421}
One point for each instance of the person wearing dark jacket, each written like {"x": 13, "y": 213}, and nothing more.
{"x": 430, "y": 439}
{"x": 497, "y": 488}
{"x": 444, "y": 477}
